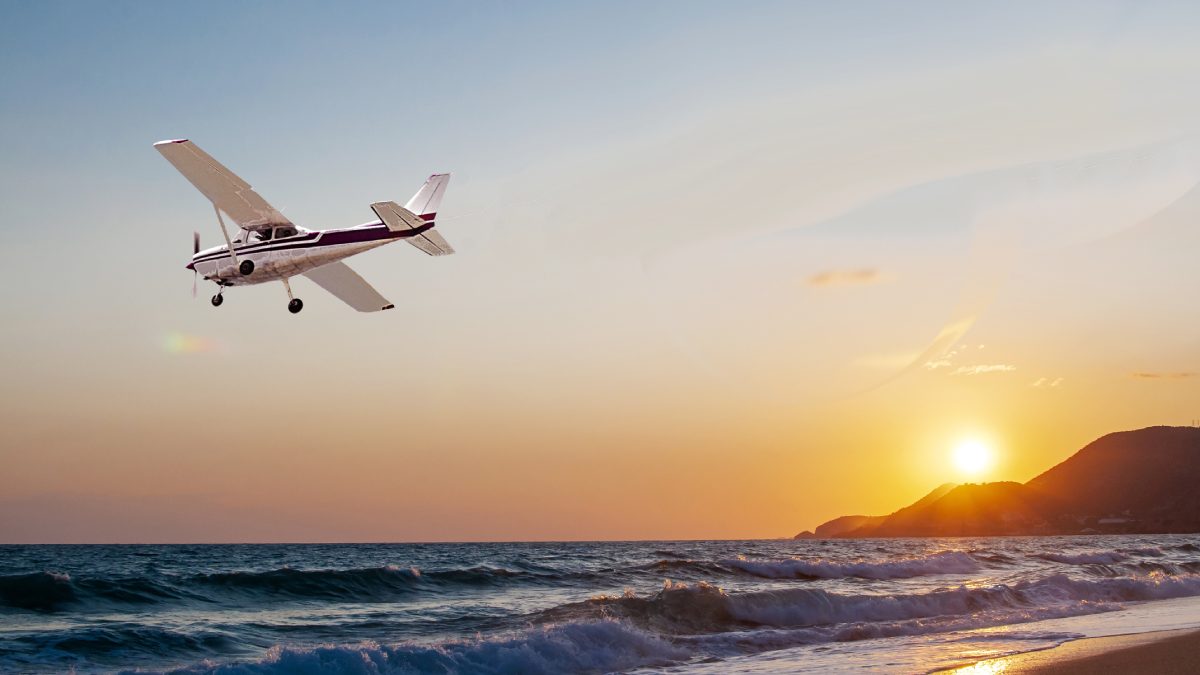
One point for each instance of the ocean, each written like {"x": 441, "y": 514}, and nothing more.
{"x": 898, "y": 605}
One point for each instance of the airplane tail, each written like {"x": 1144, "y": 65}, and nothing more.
{"x": 418, "y": 214}
{"x": 427, "y": 200}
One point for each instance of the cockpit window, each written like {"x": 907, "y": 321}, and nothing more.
{"x": 263, "y": 235}
{"x": 284, "y": 232}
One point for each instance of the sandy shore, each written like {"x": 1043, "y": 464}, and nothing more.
{"x": 1165, "y": 653}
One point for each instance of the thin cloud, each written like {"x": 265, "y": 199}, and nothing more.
{"x": 1046, "y": 383}
{"x": 981, "y": 369}
{"x": 945, "y": 361}
{"x": 1163, "y": 376}
{"x": 860, "y": 277}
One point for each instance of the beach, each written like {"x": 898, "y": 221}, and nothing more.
{"x": 1161, "y": 652}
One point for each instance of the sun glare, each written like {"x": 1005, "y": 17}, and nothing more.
{"x": 973, "y": 457}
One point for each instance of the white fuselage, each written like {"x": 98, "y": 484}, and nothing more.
{"x": 287, "y": 256}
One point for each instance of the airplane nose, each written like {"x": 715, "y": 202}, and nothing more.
{"x": 191, "y": 266}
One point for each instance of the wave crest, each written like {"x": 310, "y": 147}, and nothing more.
{"x": 593, "y": 646}
{"x": 942, "y": 562}
{"x": 1087, "y": 558}
{"x": 44, "y": 591}
{"x": 52, "y": 591}
{"x": 680, "y": 608}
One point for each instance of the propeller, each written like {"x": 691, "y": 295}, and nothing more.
{"x": 195, "y": 250}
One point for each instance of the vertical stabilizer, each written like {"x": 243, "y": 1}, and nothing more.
{"x": 425, "y": 203}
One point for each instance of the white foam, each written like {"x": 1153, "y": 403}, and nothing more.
{"x": 942, "y": 562}
{"x": 1087, "y": 558}
{"x": 594, "y": 646}
{"x": 681, "y": 608}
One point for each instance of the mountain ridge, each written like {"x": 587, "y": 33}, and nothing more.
{"x": 1143, "y": 481}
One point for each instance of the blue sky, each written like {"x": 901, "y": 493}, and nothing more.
{"x": 642, "y": 196}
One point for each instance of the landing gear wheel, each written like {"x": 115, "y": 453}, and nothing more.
{"x": 295, "y": 306}
{"x": 246, "y": 268}
{"x": 217, "y": 300}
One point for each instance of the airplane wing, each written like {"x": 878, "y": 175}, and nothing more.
{"x": 343, "y": 282}
{"x": 223, "y": 188}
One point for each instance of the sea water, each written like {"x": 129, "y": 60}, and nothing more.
{"x": 883, "y": 605}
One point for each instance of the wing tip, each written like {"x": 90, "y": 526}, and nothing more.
{"x": 387, "y": 307}
{"x": 171, "y": 141}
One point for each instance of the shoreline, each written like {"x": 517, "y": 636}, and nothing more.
{"x": 1166, "y": 651}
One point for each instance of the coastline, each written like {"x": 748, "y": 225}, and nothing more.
{"x": 1165, "y": 652}
{"x": 895, "y": 606}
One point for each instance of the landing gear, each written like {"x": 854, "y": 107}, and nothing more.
{"x": 246, "y": 268}
{"x": 294, "y": 304}
{"x": 217, "y": 300}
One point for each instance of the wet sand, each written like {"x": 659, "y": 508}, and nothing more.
{"x": 1166, "y": 653}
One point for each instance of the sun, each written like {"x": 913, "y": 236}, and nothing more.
{"x": 973, "y": 457}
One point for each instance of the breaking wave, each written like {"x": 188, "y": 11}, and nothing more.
{"x": 1151, "y": 551}
{"x": 1089, "y": 558}
{"x": 683, "y": 621}
{"x": 590, "y": 647}
{"x": 548, "y": 608}
{"x": 681, "y": 608}
{"x": 942, "y": 562}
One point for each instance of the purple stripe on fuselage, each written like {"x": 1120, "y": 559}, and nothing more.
{"x": 322, "y": 238}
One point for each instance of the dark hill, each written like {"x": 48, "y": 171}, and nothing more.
{"x": 1152, "y": 475}
{"x": 1131, "y": 482}
{"x": 972, "y": 510}
{"x": 839, "y": 526}
{"x": 844, "y": 525}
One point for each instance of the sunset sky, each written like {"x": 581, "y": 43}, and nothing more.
{"x": 723, "y": 271}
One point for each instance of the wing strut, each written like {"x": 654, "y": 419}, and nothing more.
{"x": 226, "y": 233}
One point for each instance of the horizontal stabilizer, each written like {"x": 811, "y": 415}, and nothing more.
{"x": 431, "y": 242}
{"x": 398, "y": 219}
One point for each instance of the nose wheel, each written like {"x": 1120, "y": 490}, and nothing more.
{"x": 217, "y": 300}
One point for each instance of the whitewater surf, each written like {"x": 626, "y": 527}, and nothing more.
{"x": 771, "y": 606}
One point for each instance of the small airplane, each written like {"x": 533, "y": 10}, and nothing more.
{"x": 272, "y": 248}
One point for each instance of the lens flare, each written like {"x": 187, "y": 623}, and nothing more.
{"x": 179, "y": 343}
